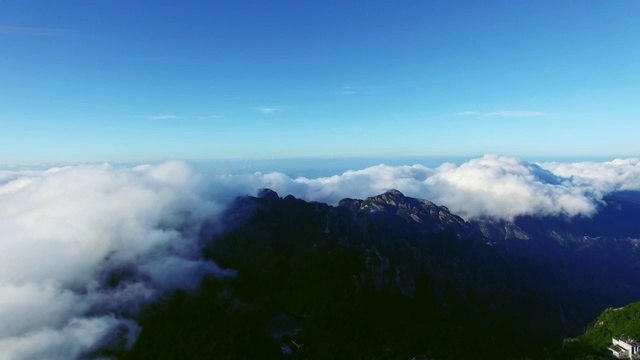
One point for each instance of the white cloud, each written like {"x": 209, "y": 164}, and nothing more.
{"x": 161, "y": 117}
{"x": 505, "y": 187}
{"x": 350, "y": 90}
{"x": 468, "y": 113}
{"x": 354, "y": 129}
{"x": 347, "y": 91}
{"x": 601, "y": 178}
{"x": 75, "y": 339}
{"x": 515, "y": 113}
{"x": 269, "y": 110}
{"x": 504, "y": 113}
{"x": 491, "y": 186}
{"x": 69, "y": 233}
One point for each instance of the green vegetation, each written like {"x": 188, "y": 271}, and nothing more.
{"x": 613, "y": 322}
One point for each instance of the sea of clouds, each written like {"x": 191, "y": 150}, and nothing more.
{"x": 84, "y": 248}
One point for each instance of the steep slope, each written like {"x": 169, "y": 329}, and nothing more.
{"x": 600, "y": 254}
{"x": 612, "y": 322}
{"x": 385, "y": 277}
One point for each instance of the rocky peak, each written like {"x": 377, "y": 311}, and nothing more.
{"x": 268, "y": 194}
{"x": 393, "y": 197}
{"x": 390, "y": 202}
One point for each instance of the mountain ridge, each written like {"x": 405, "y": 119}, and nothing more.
{"x": 393, "y": 262}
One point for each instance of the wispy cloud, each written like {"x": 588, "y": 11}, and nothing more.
{"x": 355, "y": 129}
{"x": 349, "y": 90}
{"x": 269, "y": 109}
{"x": 515, "y": 113}
{"x": 468, "y": 113}
{"x": 161, "y": 117}
{"x": 211, "y": 117}
{"x": 30, "y": 31}
{"x": 504, "y": 113}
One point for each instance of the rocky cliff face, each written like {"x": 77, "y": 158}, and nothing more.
{"x": 464, "y": 269}
{"x": 393, "y": 276}
{"x": 600, "y": 255}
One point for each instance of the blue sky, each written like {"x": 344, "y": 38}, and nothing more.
{"x": 140, "y": 81}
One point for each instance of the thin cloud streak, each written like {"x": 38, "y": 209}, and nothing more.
{"x": 515, "y": 114}
{"x": 211, "y": 117}
{"x": 349, "y": 90}
{"x": 161, "y": 117}
{"x": 269, "y": 109}
{"x": 355, "y": 129}
{"x": 504, "y": 113}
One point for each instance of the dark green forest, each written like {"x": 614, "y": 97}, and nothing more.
{"x": 613, "y": 322}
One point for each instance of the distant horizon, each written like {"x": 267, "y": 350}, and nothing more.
{"x": 321, "y": 158}
{"x": 312, "y": 167}
{"x": 152, "y": 160}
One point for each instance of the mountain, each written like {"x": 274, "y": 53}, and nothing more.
{"x": 599, "y": 255}
{"x": 395, "y": 277}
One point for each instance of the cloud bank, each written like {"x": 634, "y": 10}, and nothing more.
{"x": 492, "y": 186}
{"x": 84, "y": 248}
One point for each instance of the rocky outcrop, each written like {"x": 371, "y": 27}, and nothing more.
{"x": 522, "y": 283}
